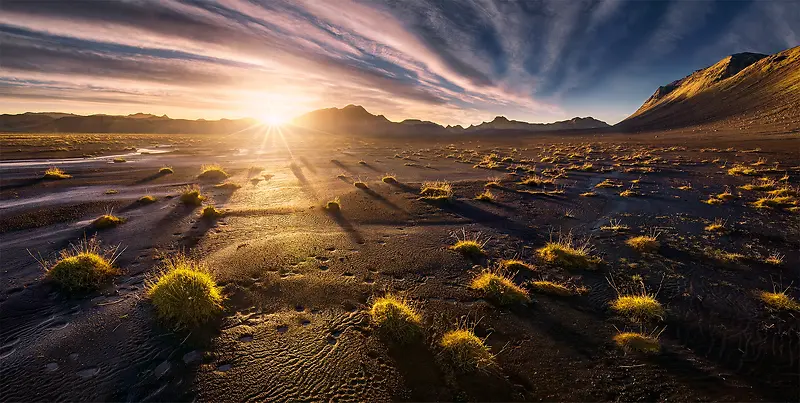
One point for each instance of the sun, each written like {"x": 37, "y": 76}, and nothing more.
{"x": 272, "y": 119}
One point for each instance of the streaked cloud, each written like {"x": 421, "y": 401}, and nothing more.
{"x": 447, "y": 61}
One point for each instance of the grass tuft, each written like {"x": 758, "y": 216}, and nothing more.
{"x": 741, "y": 170}
{"x": 147, "y": 199}
{"x": 55, "y": 173}
{"x": 333, "y": 205}
{"x": 644, "y": 243}
{"x": 191, "y": 195}
{"x": 165, "y": 171}
{"x": 466, "y": 350}
{"x": 779, "y": 301}
{"x": 82, "y": 267}
{"x": 391, "y": 179}
{"x": 396, "y": 318}
{"x": 567, "y": 253}
{"x": 486, "y": 196}
{"x": 107, "y": 221}
{"x": 184, "y": 293}
{"x": 632, "y": 341}
{"x": 499, "y": 287}
{"x": 468, "y": 247}
{"x": 436, "y": 191}
{"x": 211, "y": 212}
{"x": 515, "y": 265}
{"x": 213, "y": 172}
{"x": 360, "y": 185}
{"x": 551, "y": 288}
{"x": 717, "y": 226}
{"x": 641, "y": 307}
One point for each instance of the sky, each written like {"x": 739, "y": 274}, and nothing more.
{"x": 451, "y": 62}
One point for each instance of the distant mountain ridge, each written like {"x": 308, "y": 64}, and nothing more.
{"x": 49, "y": 122}
{"x": 352, "y": 119}
{"x": 357, "y": 120}
{"x": 744, "y": 89}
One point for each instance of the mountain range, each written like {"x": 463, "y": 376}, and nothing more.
{"x": 744, "y": 89}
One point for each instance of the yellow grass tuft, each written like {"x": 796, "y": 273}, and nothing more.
{"x": 499, "y": 288}
{"x": 107, "y": 221}
{"x": 567, "y": 253}
{"x": 184, "y": 293}
{"x": 631, "y": 341}
{"x": 82, "y": 267}
{"x": 360, "y": 185}
{"x": 486, "y": 196}
{"x": 515, "y": 265}
{"x": 607, "y": 183}
{"x": 643, "y": 243}
{"x": 147, "y": 199}
{"x": 468, "y": 247}
{"x": 191, "y": 195}
{"x": 211, "y": 212}
{"x": 391, "y": 179}
{"x": 640, "y": 307}
{"x": 466, "y": 350}
{"x": 333, "y": 205}
{"x": 165, "y": 171}
{"x": 213, "y": 172}
{"x": 779, "y": 301}
{"x": 551, "y": 288}
{"x": 536, "y": 180}
{"x": 55, "y": 173}
{"x": 739, "y": 170}
{"x": 436, "y": 191}
{"x": 717, "y": 226}
{"x": 395, "y": 317}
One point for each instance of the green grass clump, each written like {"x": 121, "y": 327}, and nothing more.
{"x": 213, "y": 172}
{"x": 436, "y": 191}
{"x": 82, "y": 267}
{"x": 184, "y": 293}
{"x": 643, "y": 243}
{"x": 395, "y": 318}
{"x": 631, "y": 341}
{"x": 779, "y": 301}
{"x": 147, "y": 199}
{"x": 165, "y": 171}
{"x": 55, "y": 173}
{"x": 191, "y": 195}
{"x": 641, "y": 307}
{"x": 466, "y": 350}
{"x": 211, "y": 212}
{"x": 567, "y": 253}
{"x": 107, "y": 221}
{"x": 499, "y": 288}
{"x": 549, "y": 287}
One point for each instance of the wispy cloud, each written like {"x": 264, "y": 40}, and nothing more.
{"x": 452, "y": 62}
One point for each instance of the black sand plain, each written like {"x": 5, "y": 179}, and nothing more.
{"x": 298, "y": 279}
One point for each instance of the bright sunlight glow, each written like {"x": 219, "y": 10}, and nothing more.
{"x": 273, "y": 119}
